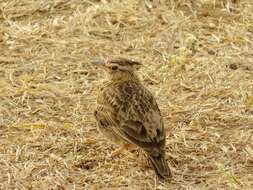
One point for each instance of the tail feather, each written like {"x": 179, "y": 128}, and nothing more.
{"x": 160, "y": 165}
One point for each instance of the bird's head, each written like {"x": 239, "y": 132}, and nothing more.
{"x": 121, "y": 69}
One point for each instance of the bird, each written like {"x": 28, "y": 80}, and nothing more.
{"x": 128, "y": 115}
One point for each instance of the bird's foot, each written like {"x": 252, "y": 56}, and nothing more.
{"x": 121, "y": 149}
{"x": 117, "y": 152}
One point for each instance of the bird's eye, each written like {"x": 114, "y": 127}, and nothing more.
{"x": 114, "y": 67}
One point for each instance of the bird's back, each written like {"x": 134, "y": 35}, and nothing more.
{"x": 131, "y": 101}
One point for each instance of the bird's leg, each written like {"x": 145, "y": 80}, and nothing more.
{"x": 121, "y": 149}
{"x": 117, "y": 152}
{"x": 142, "y": 160}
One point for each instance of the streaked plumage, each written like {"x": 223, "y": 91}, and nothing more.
{"x": 127, "y": 113}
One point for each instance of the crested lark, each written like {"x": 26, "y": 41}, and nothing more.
{"x": 128, "y": 114}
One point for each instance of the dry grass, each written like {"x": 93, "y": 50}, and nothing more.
{"x": 198, "y": 62}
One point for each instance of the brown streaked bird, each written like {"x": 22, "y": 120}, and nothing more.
{"x": 127, "y": 113}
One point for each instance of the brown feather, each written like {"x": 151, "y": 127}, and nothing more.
{"x": 160, "y": 166}
{"x": 128, "y": 111}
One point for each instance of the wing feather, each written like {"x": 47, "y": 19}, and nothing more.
{"x": 133, "y": 114}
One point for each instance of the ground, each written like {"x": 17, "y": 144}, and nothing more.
{"x": 197, "y": 60}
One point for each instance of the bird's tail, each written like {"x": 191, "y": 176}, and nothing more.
{"x": 160, "y": 165}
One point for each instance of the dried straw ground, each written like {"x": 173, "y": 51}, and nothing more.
{"x": 198, "y": 62}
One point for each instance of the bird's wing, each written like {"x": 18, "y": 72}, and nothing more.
{"x": 135, "y": 116}
{"x": 104, "y": 116}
